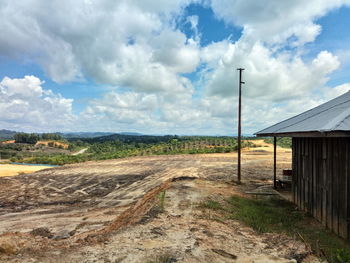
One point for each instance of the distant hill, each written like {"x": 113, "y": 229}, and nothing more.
{"x": 130, "y": 133}
{"x": 76, "y": 135}
{"x": 125, "y": 138}
{"x": 6, "y": 134}
{"x": 85, "y": 134}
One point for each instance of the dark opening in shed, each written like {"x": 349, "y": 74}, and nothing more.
{"x": 321, "y": 161}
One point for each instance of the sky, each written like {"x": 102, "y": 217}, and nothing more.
{"x": 168, "y": 67}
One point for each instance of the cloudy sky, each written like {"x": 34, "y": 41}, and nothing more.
{"x": 168, "y": 67}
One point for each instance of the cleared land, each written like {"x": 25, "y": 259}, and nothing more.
{"x": 113, "y": 211}
{"x": 14, "y": 169}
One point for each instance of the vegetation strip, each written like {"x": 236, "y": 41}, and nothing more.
{"x": 27, "y": 148}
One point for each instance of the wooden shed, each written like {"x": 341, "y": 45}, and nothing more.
{"x": 321, "y": 161}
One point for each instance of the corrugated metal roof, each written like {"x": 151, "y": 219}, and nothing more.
{"x": 333, "y": 115}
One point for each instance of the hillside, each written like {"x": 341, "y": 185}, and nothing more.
{"x": 6, "y": 135}
{"x": 72, "y": 135}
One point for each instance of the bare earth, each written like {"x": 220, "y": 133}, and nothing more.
{"x": 104, "y": 211}
{"x": 15, "y": 169}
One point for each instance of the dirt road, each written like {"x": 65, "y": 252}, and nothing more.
{"x": 80, "y": 152}
{"x": 102, "y": 211}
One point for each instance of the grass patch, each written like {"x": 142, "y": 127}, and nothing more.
{"x": 272, "y": 215}
{"x": 211, "y": 204}
{"x": 284, "y": 142}
{"x": 279, "y": 216}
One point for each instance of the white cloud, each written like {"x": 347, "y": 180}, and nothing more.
{"x": 152, "y": 113}
{"x": 25, "y": 105}
{"x": 136, "y": 48}
{"x": 178, "y": 56}
{"x": 124, "y": 43}
{"x": 275, "y": 21}
{"x": 268, "y": 76}
{"x": 336, "y": 91}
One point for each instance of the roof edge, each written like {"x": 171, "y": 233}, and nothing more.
{"x": 307, "y": 134}
{"x": 288, "y": 119}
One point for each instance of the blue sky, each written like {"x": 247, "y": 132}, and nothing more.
{"x": 160, "y": 67}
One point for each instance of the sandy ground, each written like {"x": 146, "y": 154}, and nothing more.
{"x": 56, "y": 143}
{"x": 105, "y": 211}
{"x": 15, "y": 169}
{"x": 81, "y": 151}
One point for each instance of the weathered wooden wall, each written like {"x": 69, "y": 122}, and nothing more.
{"x": 321, "y": 180}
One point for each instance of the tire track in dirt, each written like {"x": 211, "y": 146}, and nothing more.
{"x": 90, "y": 201}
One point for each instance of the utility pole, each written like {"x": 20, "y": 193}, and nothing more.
{"x": 239, "y": 124}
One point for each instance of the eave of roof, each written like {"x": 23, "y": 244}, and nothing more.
{"x": 307, "y": 134}
{"x": 326, "y": 120}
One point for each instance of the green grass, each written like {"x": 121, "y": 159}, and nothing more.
{"x": 264, "y": 215}
{"x": 284, "y": 142}
{"x": 211, "y": 204}
{"x": 279, "y": 216}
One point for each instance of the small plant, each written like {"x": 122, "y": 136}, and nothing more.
{"x": 211, "y": 204}
{"x": 165, "y": 258}
{"x": 342, "y": 256}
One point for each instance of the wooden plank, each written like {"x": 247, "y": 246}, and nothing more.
{"x": 348, "y": 190}
{"x": 324, "y": 190}
{"x": 314, "y": 176}
{"x": 302, "y": 182}
{"x": 319, "y": 161}
{"x": 334, "y": 184}
{"x": 321, "y": 175}
{"x": 297, "y": 172}
{"x": 274, "y": 162}
{"x": 294, "y": 170}
{"x": 301, "y": 175}
{"x": 342, "y": 201}
{"x": 306, "y": 176}
{"x": 309, "y": 176}
{"x": 328, "y": 182}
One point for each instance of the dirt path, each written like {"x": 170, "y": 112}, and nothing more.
{"x": 80, "y": 152}
{"x": 102, "y": 211}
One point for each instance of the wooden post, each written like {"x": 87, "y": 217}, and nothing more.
{"x": 274, "y": 162}
{"x": 239, "y": 125}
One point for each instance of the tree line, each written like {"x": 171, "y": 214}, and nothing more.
{"x": 102, "y": 150}
{"x": 33, "y": 138}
